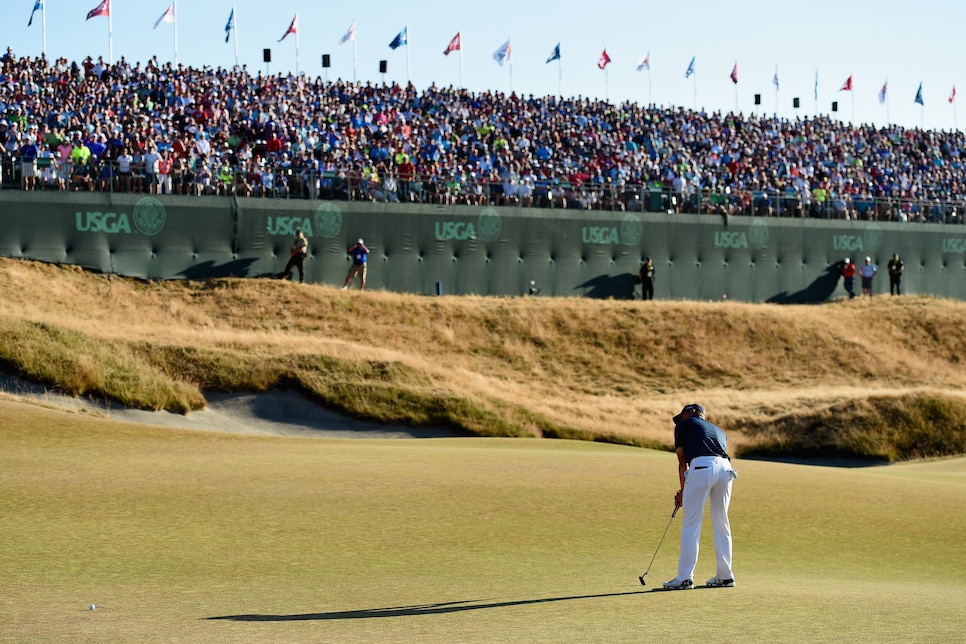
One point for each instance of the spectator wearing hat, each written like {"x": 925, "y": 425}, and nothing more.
{"x": 705, "y": 474}
{"x": 300, "y": 248}
{"x": 848, "y": 276}
{"x": 360, "y": 255}
{"x": 867, "y": 271}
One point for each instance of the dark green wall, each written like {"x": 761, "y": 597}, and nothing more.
{"x": 491, "y": 251}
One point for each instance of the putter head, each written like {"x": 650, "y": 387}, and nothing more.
{"x": 642, "y": 580}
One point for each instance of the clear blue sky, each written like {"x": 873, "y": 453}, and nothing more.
{"x": 875, "y": 42}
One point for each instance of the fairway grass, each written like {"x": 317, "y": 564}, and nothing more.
{"x": 192, "y": 536}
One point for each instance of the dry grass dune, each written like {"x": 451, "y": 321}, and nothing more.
{"x": 612, "y": 370}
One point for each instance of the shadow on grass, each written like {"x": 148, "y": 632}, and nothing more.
{"x": 419, "y": 609}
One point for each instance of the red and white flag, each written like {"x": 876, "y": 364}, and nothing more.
{"x": 644, "y": 63}
{"x": 847, "y": 87}
{"x": 952, "y": 94}
{"x": 734, "y": 74}
{"x": 103, "y": 9}
{"x": 454, "y": 45}
{"x": 350, "y": 34}
{"x": 293, "y": 28}
{"x": 603, "y": 60}
{"x": 167, "y": 16}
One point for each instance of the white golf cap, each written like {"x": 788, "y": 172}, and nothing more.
{"x": 868, "y": 259}
{"x": 360, "y": 241}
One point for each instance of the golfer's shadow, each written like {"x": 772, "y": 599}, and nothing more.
{"x": 419, "y": 609}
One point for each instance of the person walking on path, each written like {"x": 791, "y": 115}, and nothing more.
{"x": 867, "y": 271}
{"x": 360, "y": 255}
{"x": 848, "y": 277}
{"x": 895, "y": 267}
{"x": 300, "y": 248}
{"x": 704, "y": 472}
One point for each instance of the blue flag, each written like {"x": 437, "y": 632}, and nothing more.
{"x": 690, "y": 71}
{"x": 919, "y": 94}
{"x": 555, "y": 54}
{"x": 38, "y": 5}
{"x": 230, "y": 24}
{"x": 402, "y": 38}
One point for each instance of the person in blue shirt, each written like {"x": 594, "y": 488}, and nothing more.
{"x": 705, "y": 472}
{"x": 360, "y": 255}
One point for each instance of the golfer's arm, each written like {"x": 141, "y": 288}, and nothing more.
{"x": 682, "y": 466}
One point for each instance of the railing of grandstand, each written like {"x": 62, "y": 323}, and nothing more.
{"x": 280, "y": 181}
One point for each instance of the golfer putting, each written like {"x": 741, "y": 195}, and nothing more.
{"x": 705, "y": 473}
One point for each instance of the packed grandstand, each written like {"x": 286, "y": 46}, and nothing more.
{"x": 169, "y": 129}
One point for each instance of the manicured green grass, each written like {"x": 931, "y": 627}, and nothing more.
{"x": 194, "y": 536}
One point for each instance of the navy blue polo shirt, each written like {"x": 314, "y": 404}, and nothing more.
{"x": 698, "y": 437}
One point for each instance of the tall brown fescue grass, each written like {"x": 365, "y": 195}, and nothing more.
{"x": 880, "y": 378}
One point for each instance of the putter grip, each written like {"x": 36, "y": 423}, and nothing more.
{"x": 675, "y": 513}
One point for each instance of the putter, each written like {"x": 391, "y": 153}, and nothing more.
{"x": 673, "y": 514}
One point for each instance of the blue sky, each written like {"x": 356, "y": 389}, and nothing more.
{"x": 875, "y": 42}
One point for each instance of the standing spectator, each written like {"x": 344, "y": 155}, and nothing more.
{"x": 848, "y": 277}
{"x": 895, "y": 267}
{"x": 300, "y": 248}
{"x": 867, "y": 271}
{"x": 28, "y": 159}
{"x": 647, "y": 279}
{"x": 704, "y": 472}
{"x": 359, "y": 254}
{"x": 164, "y": 173}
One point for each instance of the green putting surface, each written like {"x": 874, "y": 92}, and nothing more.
{"x": 180, "y": 535}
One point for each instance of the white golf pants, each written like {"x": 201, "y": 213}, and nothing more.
{"x": 708, "y": 477}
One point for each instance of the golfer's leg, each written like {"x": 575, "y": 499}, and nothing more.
{"x": 720, "y": 496}
{"x": 694, "y": 498}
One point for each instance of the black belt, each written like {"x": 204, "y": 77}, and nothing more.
{"x": 701, "y": 467}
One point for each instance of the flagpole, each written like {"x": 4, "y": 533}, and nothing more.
{"x": 695, "y": 82}
{"x": 235, "y": 33}
{"x": 408, "y": 60}
{"x": 606, "y": 93}
{"x": 461, "y": 61}
{"x": 559, "y": 79}
{"x": 297, "y": 30}
{"x": 43, "y": 24}
{"x": 355, "y": 51}
{"x": 174, "y": 5}
{"x": 110, "y": 36}
{"x": 650, "y": 92}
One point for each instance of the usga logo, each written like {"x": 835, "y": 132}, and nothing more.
{"x": 955, "y": 245}
{"x": 458, "y": 230}
{"x": 149, "y": 219}
{"x": 728, "y": 239}
{"x": 286, "y": 226}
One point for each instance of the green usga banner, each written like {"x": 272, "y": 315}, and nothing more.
{"x": 457, "y": 250}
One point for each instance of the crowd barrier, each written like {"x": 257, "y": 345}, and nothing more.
{"x": 287, "y": 182}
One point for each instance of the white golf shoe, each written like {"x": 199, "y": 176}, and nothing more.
{"x": 715, "y": 582}
{"x": 678, "y": 584}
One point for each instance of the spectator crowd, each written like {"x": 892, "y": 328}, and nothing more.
{"x": 169, "y": 129}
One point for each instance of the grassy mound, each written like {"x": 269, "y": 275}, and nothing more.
{"x": 871, "y": 379}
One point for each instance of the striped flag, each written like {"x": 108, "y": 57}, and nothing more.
{"x": 690, "y": 71}
{"x": 644, "y": 63}
{"x": 349, "y": 35}
{"x": 847, "y": 85}
{"x": 502, "y": 55}
{"x": 402, "y": 38}
{"x": 555, "y": 54}
{"x": 103, "y": 9}
{"x": 734, "y": 73}
{"x": 882, "y": 92}
{"x": 38, "y": 5}
{"x": 454, "y": 45}
{"x": 293, "y": 28}
{"x": 230, "y": 24}
{"x": 167, "y": 16}
{"x": 919, "y": 94}
{"x": 603, "y": 60}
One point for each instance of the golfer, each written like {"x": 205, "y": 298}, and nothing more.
{"x": 705, "y": 472}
